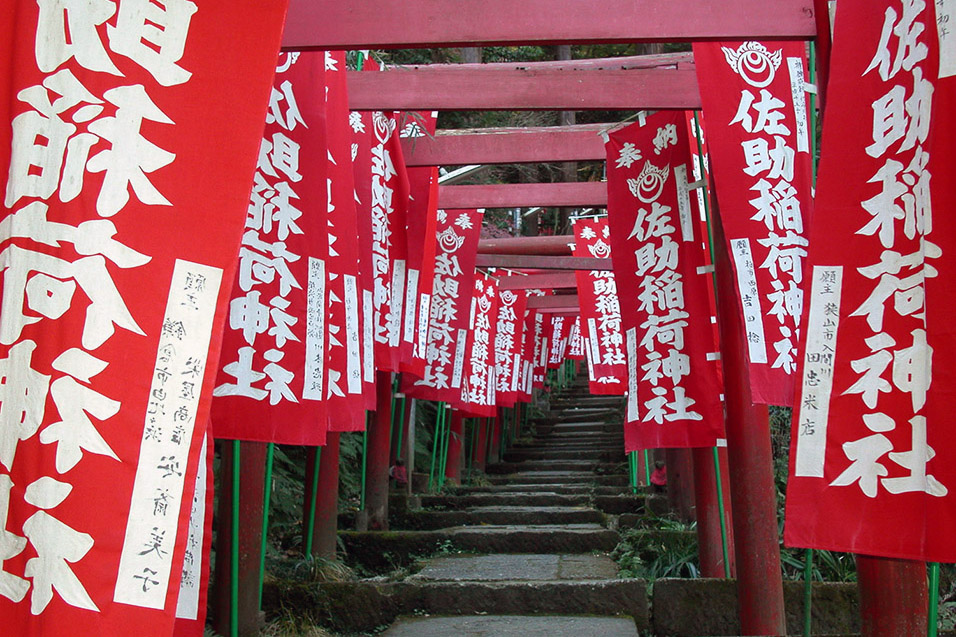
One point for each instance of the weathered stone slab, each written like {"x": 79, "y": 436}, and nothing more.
{"x": 521, "y": 567}
{"x": 497, "y": 625}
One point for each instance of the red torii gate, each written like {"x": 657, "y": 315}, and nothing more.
{"x": 598, "y": 85}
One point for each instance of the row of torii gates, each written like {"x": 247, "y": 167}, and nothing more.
{"x": 893, "y": 592}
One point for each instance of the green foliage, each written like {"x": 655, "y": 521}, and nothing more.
{"x": 827, "y": 566}
{"x": 670, "y": 551}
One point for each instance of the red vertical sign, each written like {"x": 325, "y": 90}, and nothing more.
{"x": 600, "y": 311}
{"x": 509, "y": 333}
{"x": 873, "y": 456}
{"x": 674, "y": 391}
{"x": 272, "y": 381}
{"x": 478, "y": 380}
{"x": 754, "y": 99}
{"x": 127, "y": 175}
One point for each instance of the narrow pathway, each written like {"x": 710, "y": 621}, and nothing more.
{"x": 542, "y": 516}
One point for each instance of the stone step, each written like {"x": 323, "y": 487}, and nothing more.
{"x": 542, "y": 488}
{"x": 517, "y": 480}
{"x": 513, "y": 625}
{"x": 498, "y": 515}
{"x": 524, "y": 567}
{"x": 585, "y": 426}
{"x": 554, "y": 465}
{"x": 528, "y": 498}
{"x": 366, "y": 605}
{"x": 573, "y": 453}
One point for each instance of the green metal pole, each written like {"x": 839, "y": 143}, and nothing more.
{"x": 932, "y": 624}
{"x": 807, "y": 590}
{"x": 234, "y": 563}
{"x": 444, "y": 451}
{"x": 401, "y": 425}
{"x": 647, "y": 467}
{"x": 368, "y": 417}
{"x": 722, "y": 513}
{"x": 436, "y": 443}
{"x": 632, "y": 457}
{"x": 310, "y": 527}
{"x": 266, "y": 499}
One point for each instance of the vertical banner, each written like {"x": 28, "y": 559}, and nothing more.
{"x": 126, "y": 179}
{"x": 509, "y": 332}
{"x": 458, "y": 232}
{"x": 272, "y": 381}
{"x": 873, "y": 454}
{"x": 343, "y": 322}
{"x": 659, "y": 257}
{"x": 478, "y": 381}
{"x": 576, "y": 341}
{"x": 420, "y": 265}
{"x": 754, "y": 98}
{"x": 558, "y": 341}
{"x": 600, "y": 311}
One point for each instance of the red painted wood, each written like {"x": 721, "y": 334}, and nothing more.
{"x": 555, "y": 301}
{"x": 709, "y": 539}
{"x": 455, "y": 447}
{"x": 522, "y": 261}
{"x": 540, "y": 89}
{"x": 494, "y": 453}
{"x": 823, "y": 51}
{"x": 376, "y": 470}
{"x": 757, "y": 548}
{"x": 324, "y": 543}
{"x": 662, "y": 60}
{"x": 591, "y": 194}
{"x": 554, "y": 245}
{"x": 546, "y": 281}
{"x": 481, "y": 442}
{"x": 680, "y": 483}
{"x": 893, "y": 596}
{"x": 507, "y": 146}
{"x": 452, "y": 23}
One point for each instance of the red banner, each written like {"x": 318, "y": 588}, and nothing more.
{"x": 576, "y": 341}
{"x": 673, "y": 386}
{"x": 420, "y": 266}
{"x": 128, "y": 143}
{"x": 558, "y": 340}
{"x": 343, "y": 321}
{"x": 458, "y": 232}
{"x": 509, "y": 333}
{"x": 272, "y": 380}
{"x": 478, "y": 382}
{"x": 600, "y": 311}
{"x": 754, "y": 98}
{"x": 873, "y": 456}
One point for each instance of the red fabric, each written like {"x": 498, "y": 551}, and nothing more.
{"x": 659, "y": 477}
{"x": 420, "y": 265}
{"x": 478, "y": 379}
{"x": 344, "y": 354}
{"x": 674, "y": 389}
{"x": 509, "y": 338}
{"x": 127, "y": 166}
{"x": 873, "y": 456}
{"x": 272, "y": 381}
{"x": 458, "y": 232}
{"x": 600, "y": 311}
{"x": 758, "y": 137}
{"x": 558, "y": 340}
{"x": 576, "y": 341}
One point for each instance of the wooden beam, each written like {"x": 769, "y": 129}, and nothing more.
{"x": 562, "y": 311}
{"x": 591, "y": 194}
{"x": 396, "y": 24}
{"x": 626, "y": 62}
{"x": 454, "y": 89}
{"x": 524, "y": 261}
{"x": 554, "y": 245}
{"x": 547, "y": 281}
{"x": 553, "y": 301}
{"x": 507, "y": 146}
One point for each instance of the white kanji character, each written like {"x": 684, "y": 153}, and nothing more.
{"x": 49, "y": 293}
{"x": 785, "y": 252}
{"x": 777, "y": 206}
{"x": 759, "y": 158}
{"x": 12, "y": 587}
{"x": 917, "y": 203}
{"x": 769, "y": 118}
{"x": 665, "y": 136}
{"x": 132, "y": 156}
{"x": 255, "y": 268}
{"x": 248, "y": 314}
{"x": 913, "y": 368}
{"x": 245, "y": 377}
{"x": 281, "y": 322}
{"x": 23, "y": 393}
{"x": 786, "y": 303}
{"x": 652, "y": 224}
{"x": 786, "y": 352}
{"x": 75, "y": 432}
{"x": 587, "y": 233}
{"x": 67, "y": 28}
{"x": 883, "y": 207}
{"x": 666, "y": 291}
{"x": 872, "y": 383}
{"x": 44, "y": 145}
{"x": 154, "y": 36}
{"x": 667, "y": 330}
{"x": 864, "y": 455}
{"x": 355, "y": 121}
{"x": 57, "y": 546}
{"x": 680, "y": 407}
{"x": 284, "y": 155}
{"x": 915, "y": 461}
{"x": 919, "y": 110}
{"x": 279, "y": 378}
{"x": 909, "y": 50}
{"x": 889, "y": 121}
{"x": 291, "y": 116}
{"x": 628, "y": 154}
{"x": 908, "y": 293}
